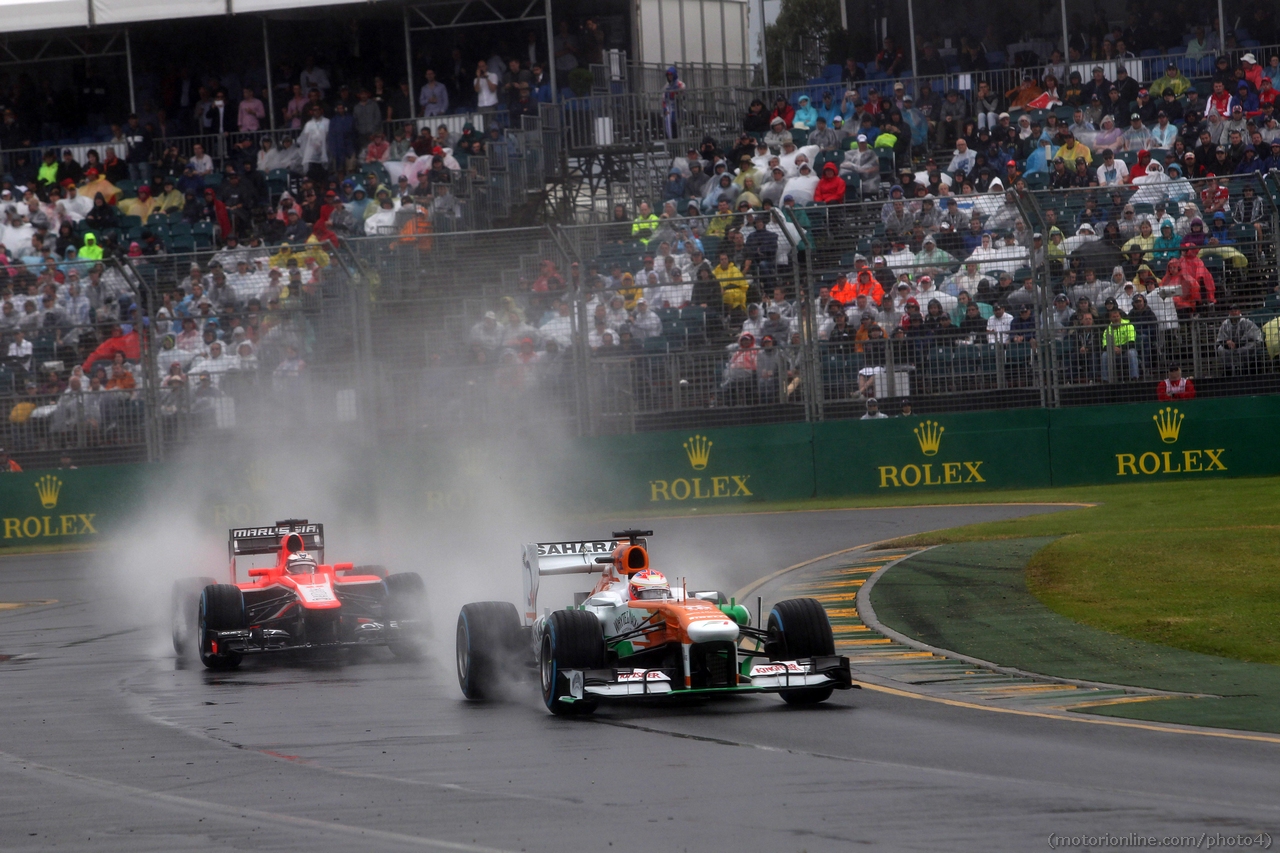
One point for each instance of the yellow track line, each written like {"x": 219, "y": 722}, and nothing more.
{"x": 1088, "y": 720}
{"x": 1093, "y": 721}
{"x": 754, "y": 585}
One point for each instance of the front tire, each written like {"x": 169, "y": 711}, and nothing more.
{"x": 798, "y": 628}
{"x": 184, "y": 606}
{"x": 407, "y": 605}
{"x": 221, "y": 609}
{"x": 571, "y": 639}
{"x": 487, "y": 648}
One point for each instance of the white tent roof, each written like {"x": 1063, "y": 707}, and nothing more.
{"x": 28, "y": 15}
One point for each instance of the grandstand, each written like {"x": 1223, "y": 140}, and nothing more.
{"x": 171, "y": 274}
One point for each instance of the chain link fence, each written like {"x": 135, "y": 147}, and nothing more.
{"x": 993, "y": 300}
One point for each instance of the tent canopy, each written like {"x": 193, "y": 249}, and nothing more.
{"x": 29, "y": 15}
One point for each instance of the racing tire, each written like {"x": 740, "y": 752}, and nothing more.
{"x": 487, "y": 648}
{"x": 377, "y": 571}
{"x": 221, "y": 609}
{"x": 184, "y": 606}
{"x": 799, "y": 628}
{"x": 571, "y": 639}
{"x": 407, "y": 605}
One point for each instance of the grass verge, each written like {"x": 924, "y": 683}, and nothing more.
{"x": 1188, "y": 565}
{"x": 972, "y": 597}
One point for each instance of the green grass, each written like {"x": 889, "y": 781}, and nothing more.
{"x": 1203, "y": 590}
{"x": 972, "y": 597}
{"x": 1149, "y": 509}
{"x": 1193, "y": 565}
{"x": 1173, "y": 585}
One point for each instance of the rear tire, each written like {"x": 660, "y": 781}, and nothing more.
{"x": 487, "y": 648}
{"x": 377, "y": 571}
{"x": 221, "y": 609}
{"x": 407, "y": 605}
{"x": 571, "y": 639}
{"x": 798, "y": 628}
{"x": 184, "y": 606}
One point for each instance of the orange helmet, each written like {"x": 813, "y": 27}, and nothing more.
{"x": 649, "y": 585}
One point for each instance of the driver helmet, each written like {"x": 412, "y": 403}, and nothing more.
{"x": 649, "y": 585}
{"x": 301, "y": 563}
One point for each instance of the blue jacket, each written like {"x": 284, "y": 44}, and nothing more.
{"x": 805, "y": 114}
{"x": 342, "y": 137}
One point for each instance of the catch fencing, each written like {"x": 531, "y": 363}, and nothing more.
{"x": 392, "y": 336}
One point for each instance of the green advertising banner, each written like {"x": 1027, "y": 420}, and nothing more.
{"x": 68, "y": 506}
{"x": 1226, "y": 437}
{"x": 943, "y": 453}
{"x": 659, "y": 470}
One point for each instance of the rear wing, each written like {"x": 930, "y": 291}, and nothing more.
{"x": 247, "y": 541}
{"x": 559, "y": 558}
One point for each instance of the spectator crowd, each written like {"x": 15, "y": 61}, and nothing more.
{"x": 1157, "y": 216}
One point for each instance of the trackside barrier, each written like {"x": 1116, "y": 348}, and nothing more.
{"x": 940, "y": 453}
{"x": 656, "y": 471}
{"x": 68, "y": 507}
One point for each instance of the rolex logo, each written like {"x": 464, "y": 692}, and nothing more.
{"x": 48, "y": 488}
{"x": 1169, "y": 423}
{"x": 698, "y": 449}
{"x": 929, "y": 435}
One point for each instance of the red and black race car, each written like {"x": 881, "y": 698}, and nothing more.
{"x": 297, "y": 603}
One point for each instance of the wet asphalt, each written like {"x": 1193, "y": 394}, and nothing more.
{"x": 107, "y": 742}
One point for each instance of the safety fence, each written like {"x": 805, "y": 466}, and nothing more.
{"x": 507, "y": 176}
{"x": 797, "y": 314}
{"x": 639, "y": 113}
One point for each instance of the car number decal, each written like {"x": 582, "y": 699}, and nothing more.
{"x": 315, "y": 593}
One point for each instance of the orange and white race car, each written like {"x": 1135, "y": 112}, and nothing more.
{"x": 296, "y": 602}
{"x": 637, "y": 635}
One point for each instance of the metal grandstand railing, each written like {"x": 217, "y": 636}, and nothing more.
{"x": 390, "y": 335}
{"x": 631, "y": 121}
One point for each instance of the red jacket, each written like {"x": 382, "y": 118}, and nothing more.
{"x": 127, "y": 344}
{"x": 1167, "y": 391}
{"x": 831, "y": 188}
{"x": 1194, "y": 268}
{"x": 788, "y": 115}
{"x": 1188, "y": 296}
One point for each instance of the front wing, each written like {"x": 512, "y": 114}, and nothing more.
{"x": 770, "y": 677}
{"x": 253, "y": 641}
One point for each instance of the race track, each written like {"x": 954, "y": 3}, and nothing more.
{"x": 108, "y": 744}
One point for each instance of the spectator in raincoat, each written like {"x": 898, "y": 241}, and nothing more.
{"x": 831, "y": 188}
{"x": 123, "y": 342}
{"x": 90, "y": 251}
{"x": 805, "y": 115}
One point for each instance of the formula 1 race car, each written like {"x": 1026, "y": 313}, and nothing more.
{"x": 636, "y": 635}
{"x": 297, "y": 604}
